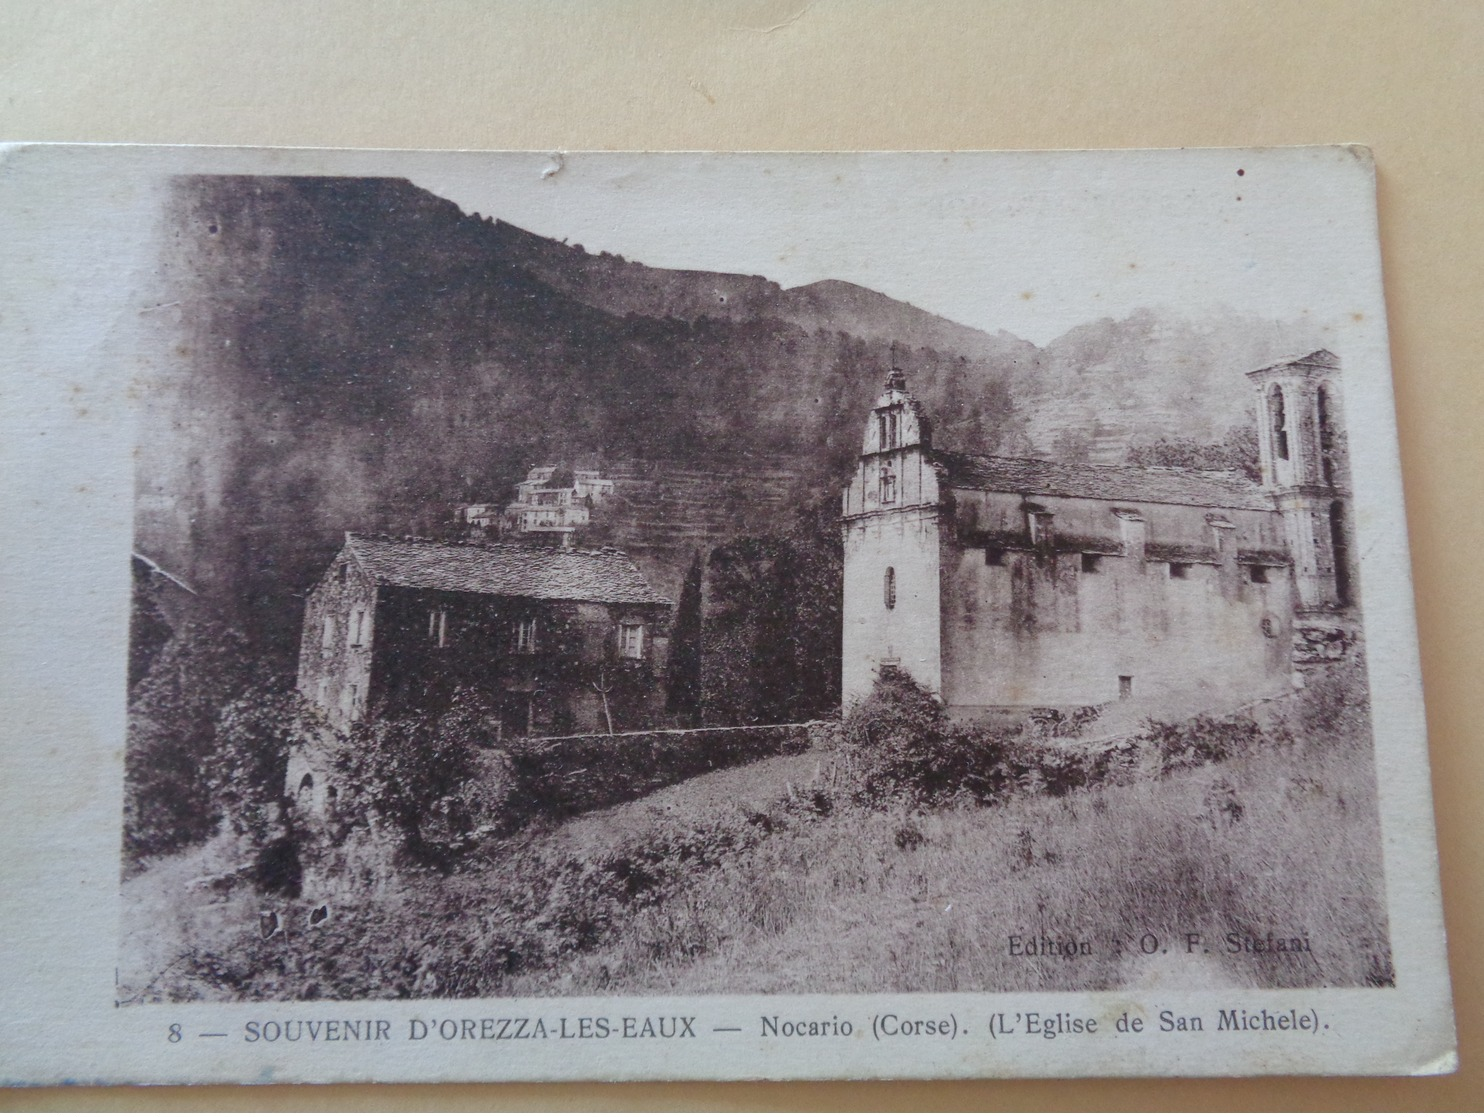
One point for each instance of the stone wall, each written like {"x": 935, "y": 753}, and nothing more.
{"x": 1084, "y": 616}
{"x": 334, "y": 658}
{"x": 558, "y": 777}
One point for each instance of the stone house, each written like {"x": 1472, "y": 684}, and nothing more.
{"x": 551, "y": 504}
{"x": 1004, "y": 583}
{"x": 543, "y": 634}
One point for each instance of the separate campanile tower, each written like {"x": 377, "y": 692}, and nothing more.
{"x": 1301, "y": 439}
{"x": 890, "y": 522}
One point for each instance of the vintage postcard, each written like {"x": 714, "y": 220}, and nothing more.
{"x": 487, "y": 616}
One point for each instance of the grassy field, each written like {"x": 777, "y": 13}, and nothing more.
{"x": 767, "y": 878}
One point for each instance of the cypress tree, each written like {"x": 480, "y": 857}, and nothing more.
{"x": 683, "y": 697}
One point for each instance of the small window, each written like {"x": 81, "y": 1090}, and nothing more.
{"x": 1180, "y": 570}
{"x": 341, "y": 572}
{"x": 525, "y": 635}
{"x": 355, "y": 696}
{"x": 1040, "y": 527}
{"x": 888, "y": 485}
{"x": 438, "y": 628}
{"x": 306, "y": 784}
{"x": 1091, "y": 564}
{"x": 631, "y": 641}
{"x": 1258, "y": 575}
{"x": 993, "y": 556}
{"x": 358, "y": 628}
{"x": 1125, "y": 686}
{"x": 889, "y": 587}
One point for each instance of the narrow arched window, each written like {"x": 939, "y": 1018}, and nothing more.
{"x": 1326, "y": 434}
{"x": 1278, "y": 420}
{"x": 889, "y": 587}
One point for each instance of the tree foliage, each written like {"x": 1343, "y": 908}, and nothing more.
{"x": 249, "y": 761}
{"x": 168, "y": 801}
{"x": 413, "y": 772}
{"x": 772, "y": 628}
{"x": 683, "y": 683}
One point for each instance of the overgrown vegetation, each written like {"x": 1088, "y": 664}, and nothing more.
{"x": 843, "y": 870}
{"x": 176, "y": 770}
{"x": 771, "y": 637}
{"x": 683, "y": 669}
{"x": 415, "y": 774}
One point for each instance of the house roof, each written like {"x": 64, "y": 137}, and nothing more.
{"x": 608, "y": 577}
{"x": 1135, "y": 484}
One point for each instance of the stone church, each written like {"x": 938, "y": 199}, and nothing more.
{"x": 1005, "y": 583}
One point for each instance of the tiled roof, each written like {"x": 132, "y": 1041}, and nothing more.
{"x": 1100, "y": 482}
{"x": 607, "y": 577}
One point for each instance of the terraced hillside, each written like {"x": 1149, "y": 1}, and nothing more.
{"x": 663, "y": 511}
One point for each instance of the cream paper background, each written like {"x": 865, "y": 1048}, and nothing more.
{"x": 840, "y": 75}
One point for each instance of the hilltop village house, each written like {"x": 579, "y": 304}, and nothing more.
{"x": 546, "y": 635}
{"x": 549, "y": 506}
{"x": 1006, "y": 583}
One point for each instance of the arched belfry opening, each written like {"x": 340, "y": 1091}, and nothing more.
{"x": 1278, "y": 422}
{"x": 1329, "y": 438}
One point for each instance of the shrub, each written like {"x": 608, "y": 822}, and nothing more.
{"x": 1201, "y": 740}
{"x": 898, "y": 746}
{"x": 250, "y": 760}
{"x": 415, "y": 771}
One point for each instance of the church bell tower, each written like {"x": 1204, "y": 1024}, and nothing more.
{"x": 1301, "y": 442}
{"x": 890, "y": 521}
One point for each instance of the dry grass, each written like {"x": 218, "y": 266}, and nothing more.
{"x": 843, "y": 907}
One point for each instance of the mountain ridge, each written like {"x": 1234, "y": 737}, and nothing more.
{"x": 361, "y": 354}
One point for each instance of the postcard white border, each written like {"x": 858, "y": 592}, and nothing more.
{"x": 67, "y": 513}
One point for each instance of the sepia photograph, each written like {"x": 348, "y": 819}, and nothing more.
{"x": 747, "y": 576}
{"x": 526, "y": 616}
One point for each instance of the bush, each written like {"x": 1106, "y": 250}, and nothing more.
{"x": 899, "y": 747}
{"x": 1202, "y": 740}
{"x": 415, "y": 772}
{"x": 249, "y": 761}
